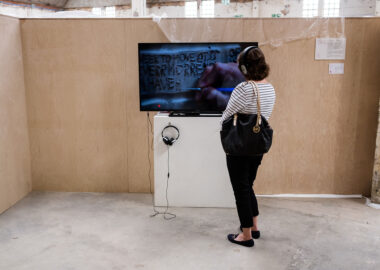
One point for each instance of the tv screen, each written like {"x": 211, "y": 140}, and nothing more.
{"x": 188, "y": 77}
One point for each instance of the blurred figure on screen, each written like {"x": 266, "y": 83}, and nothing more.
{"x": 219, "y": 75}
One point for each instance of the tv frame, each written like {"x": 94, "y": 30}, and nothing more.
{"x": 180, "y": 112}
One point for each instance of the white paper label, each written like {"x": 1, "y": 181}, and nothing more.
{"x": 336, "y": 68}
{"x": 330, "y": 49}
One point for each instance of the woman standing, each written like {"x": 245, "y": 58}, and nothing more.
{"x": 243, "y": 169}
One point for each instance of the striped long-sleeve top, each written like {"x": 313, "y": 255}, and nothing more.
{"x": 243, "y": 100}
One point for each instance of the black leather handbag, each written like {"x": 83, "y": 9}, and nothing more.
{"x": 247, "y": 134}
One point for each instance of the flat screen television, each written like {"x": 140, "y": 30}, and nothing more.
{"x": 188, "y": 77}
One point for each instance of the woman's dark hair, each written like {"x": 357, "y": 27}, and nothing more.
{"x": 256, "y": 65}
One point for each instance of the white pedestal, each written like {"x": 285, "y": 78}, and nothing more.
{"x": 198, "y": 170}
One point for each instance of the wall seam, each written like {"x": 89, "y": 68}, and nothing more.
{"x": 26, "y": 104}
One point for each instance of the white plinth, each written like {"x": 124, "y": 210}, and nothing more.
{"x": 198, "y": 170}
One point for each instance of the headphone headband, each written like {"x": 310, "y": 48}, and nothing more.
{"x": 243, "y": 59}
{"x": 170, "y": 126}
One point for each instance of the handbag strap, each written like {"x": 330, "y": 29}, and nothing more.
{"x": 256, "y": 128}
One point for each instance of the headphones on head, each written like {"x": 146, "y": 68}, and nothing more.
{"x": 243, "y": 66}
{"x": 169, "y": 140}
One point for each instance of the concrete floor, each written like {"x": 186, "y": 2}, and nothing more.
{"x": 114, "y": 231}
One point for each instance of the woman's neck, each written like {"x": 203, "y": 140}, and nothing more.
{"x": 262, "y": 81}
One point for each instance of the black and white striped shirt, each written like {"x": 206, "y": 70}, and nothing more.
{"x": 243, "y": 100}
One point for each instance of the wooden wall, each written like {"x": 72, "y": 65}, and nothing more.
{"x": 15, "y": 172}
{"x": 87, "y": 133}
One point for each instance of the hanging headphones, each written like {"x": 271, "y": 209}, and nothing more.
{"x": 243, "y": 66}
{"x": 169, "y": 140}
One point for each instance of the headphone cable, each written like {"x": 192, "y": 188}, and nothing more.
{"x": 171, "y": 216}
{"x": 167, "y": 215}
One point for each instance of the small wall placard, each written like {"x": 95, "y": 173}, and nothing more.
{"x": 336, "y": 68}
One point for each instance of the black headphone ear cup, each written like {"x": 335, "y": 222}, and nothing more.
{"x": 168, "y": 141}
{"x": 243, "y": 60}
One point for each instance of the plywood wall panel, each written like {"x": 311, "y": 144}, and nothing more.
{"x": 88, "y": 134}
{"x": 137, "y": 126}
{"x": 319, "y": 120}
{"x": 202, "y": 30}
{"x": 76, "y": 81}
{"x": 15, "y": 171}
{"x": 299, "y": 123}
{"x": 359, "y": 98}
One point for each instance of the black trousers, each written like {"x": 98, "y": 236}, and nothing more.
{"x": 242, "y": 171}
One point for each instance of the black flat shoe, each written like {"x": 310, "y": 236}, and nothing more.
{"x": 255, "y": 234}
{"x": 248, "y": 243}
